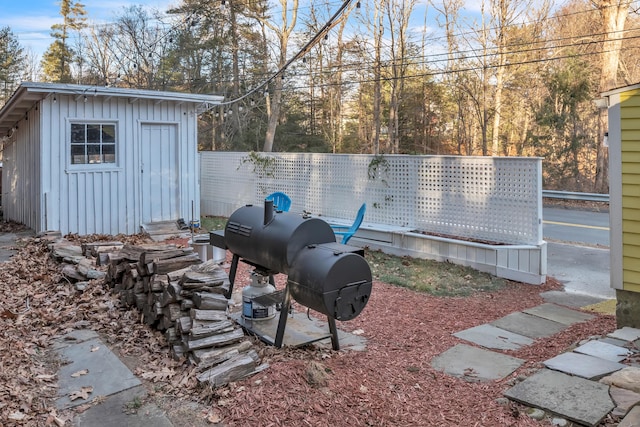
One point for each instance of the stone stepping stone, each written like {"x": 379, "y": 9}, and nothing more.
{"x": 632, "y": 419}
{"x": 559, "y": 314}
{"x": 100, "y": 369}
{"x": 582, "y": 365}
{"x": 576, "y": 399}
{"x": 627, "y": 378}
{"x": 624, "y": 400}
{"x": 614, "y": 341}
{"x": 528, "y": 325}
{"x": 489, "y": 336}
{"x": 604, "y": 351}
{"x": 625, "y": 334}
{"x": 475, "y": 364}
{"x": 570, "y": 299}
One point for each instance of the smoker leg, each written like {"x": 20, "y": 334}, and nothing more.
{"x": 282, "y": 322}
{"x": 232, "y": 274}
{"x": 334, "y": 333}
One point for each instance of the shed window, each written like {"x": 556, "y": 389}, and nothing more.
{"x": 93, "y": 143}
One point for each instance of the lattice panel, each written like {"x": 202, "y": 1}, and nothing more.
{"x": 481, "y": 198}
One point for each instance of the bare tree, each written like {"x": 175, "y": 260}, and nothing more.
{"x": 398, "y": 14}
{"x": 614, "y": 15}
{"x": 282, "y": 30}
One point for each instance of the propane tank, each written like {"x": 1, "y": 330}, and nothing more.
{"x": 259, "y": 285}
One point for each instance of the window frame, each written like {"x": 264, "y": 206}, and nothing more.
{"x": 70, "y": 144}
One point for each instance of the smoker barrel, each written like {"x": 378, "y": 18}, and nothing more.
{"x": 330, "y": 279}
{"x": 272, "y": 239}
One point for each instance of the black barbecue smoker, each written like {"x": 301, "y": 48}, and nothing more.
{"x": 322, "y": 275}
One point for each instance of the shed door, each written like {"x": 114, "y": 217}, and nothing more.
{"x": 160, "y": 172}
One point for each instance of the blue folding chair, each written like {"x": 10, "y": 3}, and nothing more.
{"x": 281, "y": 202}
{"x": 350, "y": 231}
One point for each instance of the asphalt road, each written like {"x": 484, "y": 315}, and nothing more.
{"x": 578, "y": 250}
{"x": 578, "y": 226}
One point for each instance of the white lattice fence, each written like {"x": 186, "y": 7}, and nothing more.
{"x": 493, "y": 199}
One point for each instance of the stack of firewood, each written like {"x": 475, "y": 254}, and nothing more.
{"x": 181, "y": 296}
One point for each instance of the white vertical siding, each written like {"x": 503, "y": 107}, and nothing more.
{"x": 21, "y": 173}
{"x": 89, "y": 199}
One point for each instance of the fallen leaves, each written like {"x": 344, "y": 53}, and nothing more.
{"x": 390, "y": 384}
{"x": 80, "y": 373}
{"x": 83, "y": 393}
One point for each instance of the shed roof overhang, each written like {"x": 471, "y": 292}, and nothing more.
{"x": 29, "y": 93}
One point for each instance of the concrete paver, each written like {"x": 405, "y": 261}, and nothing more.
{"x": 632, "y": 419}
{"x": 577, "y": 399}
{"x": 582, "y": 365}
{"x": 104, "y": 372}
{"x": 626, "y": 333}
{"x": 604, "y": 350}
{"x": 624, "y": 399}
{"x": 613, "y": 341}
{"x": 528, "y": 325}
{"x": 475, "y": 364}
{"x": 489, "y": 336}
{"x": 570, "y": 299}
{"x": 628, "y": 378}
{"x": 557, "y": 313}
{"x": 581, "y": 269}
{"x": 124, "y": 409}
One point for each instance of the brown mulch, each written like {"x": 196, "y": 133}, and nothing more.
{"x": 391, "y": 383}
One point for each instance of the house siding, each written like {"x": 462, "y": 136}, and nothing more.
{"x": 21, "y": 158}
{"x": 630, "y": 188}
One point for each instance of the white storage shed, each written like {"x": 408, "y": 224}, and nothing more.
{"x": 90, "y": 159}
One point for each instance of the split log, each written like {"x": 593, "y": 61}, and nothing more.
{"x": 64, "y": 251}
{"x": 164, "y": 323}
{"x": 94, "y": 248}
{"x": 71, "y": 272}
{"x": 193, "y": 278}
{"x": 171, "y": 336}
{"x": 168, "y": 265}
{"x": 140, "y": 299}
{"x": 132, "y": 252}
{"x": 211, "y": 329}
{"x": 183, "y": 324}
{"x": 150, "y": 256}
{"x": 218, "y": 340}
{"x": 211, "y": 315}
{"x": 209, "y": 301}
{"x": 86, "y": 268}
{"x": 174, "y": 290}
{"x": 102, "y": 259}
{"x": 230, "y": 370}
{"x": 177, "y": 351}
{"x": 206, "y": 357}
{"x": 186, "y": 304}
{"x": 172, "y": 312}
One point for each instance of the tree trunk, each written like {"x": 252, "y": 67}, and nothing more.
{"x": 614, "y": 15}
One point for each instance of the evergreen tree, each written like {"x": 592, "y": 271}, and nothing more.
{"x": 56, "y": 61}
{"x": 12, "y": 62}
